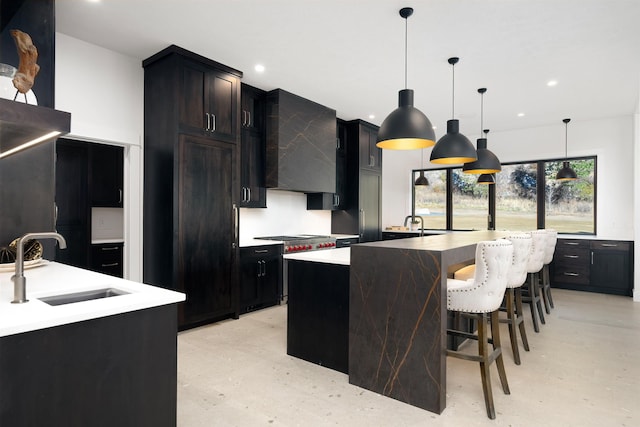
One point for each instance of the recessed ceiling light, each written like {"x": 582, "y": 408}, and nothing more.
{"x": 520, "y": 114}
{"x": 434, "y": 127}
{"x": 552, "y": 83}
{"x": 372, "y": 116}
{"x": 94, "y": 1}
{"x": 259, "y": 68}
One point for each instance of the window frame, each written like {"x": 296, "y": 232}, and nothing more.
{"x": 540, "y": 195}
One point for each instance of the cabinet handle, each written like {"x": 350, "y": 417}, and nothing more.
{"x": 608, "y": 245}
{"x": 372, "y": 160}
{"x": 244, "y": 189}
{"x": 248, "y": 118}
{"x": 236, "y": 220}
{"x": 361, "y": 225}
{"x": 337, "y": 143}
{"x": 261, "y": 251}
{"x": 213, "y": 122}
{"x": 571, "y": 243}
{"x": 120, "y": 196}
{"x": 115, "y": 248}
{"x": 591, "y": 257}
{"x": 244, "y": 117}
{"x": 113, "y": 264}
{"x": 571, "y": 256}
{"x": 264, "y": 268}
{"x": 248, "y": 194}
{"x": 571, "y": 274}
{"x": 259, "y": 268}
{"x": 208, "y": 121}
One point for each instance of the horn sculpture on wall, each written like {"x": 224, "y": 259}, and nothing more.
{"x": 27, "y": 67}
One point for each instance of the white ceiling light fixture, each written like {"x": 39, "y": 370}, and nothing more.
{"x": 259, "y": 68}
{"x": 552, "y": 83}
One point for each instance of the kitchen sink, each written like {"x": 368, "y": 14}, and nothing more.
{"x": 82, "y": 296}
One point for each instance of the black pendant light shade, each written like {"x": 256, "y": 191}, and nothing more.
{"x": 422, "y": 180}
{"x": 453, "y": 147}
{"x": 566, "y": 173}
{"x": 486, "y": 179}
{"x": 406, "y": 128}
{"x": 487, "y": 161}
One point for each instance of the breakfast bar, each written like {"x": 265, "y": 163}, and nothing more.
{"x": 397, "y": 314}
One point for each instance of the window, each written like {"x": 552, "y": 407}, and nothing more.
{"x": 570, "y": 205}
{"x": 431, "y": 200}
{"x": 470, "y": 201}
{"x": 516, "y": 197}
{"x": 527, "y": 196}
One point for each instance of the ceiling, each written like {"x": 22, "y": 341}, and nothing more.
{"x": 349, "y": 55}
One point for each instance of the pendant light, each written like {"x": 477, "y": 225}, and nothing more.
{"x": 566, "y": 173}
{"x": 487, "y": 161}
{"x": 486, "y": 179}
{"x": 453, "y": 147}
{"x": 406, "y": 127}
{"x": 421, "y": 180}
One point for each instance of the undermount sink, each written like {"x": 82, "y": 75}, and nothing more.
{"x": 82, "y": 296}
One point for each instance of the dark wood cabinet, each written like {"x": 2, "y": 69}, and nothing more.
{"x": 192, "y": 186}
{"x": 345, "y": 242}
{"x": 208, "y": 101}
{"x": 611, "y": 269}
{"x": 593, "y": 265}
{"x": 252, "y": 148}
{"x": 337, "y": 200}
{"x": 260, "y": 277}
{"x": 301, "y": 144}
{"x": 361, "y": 212}
{"x": 370, "y": 155}
{"x": 72, "y": 202}
{"x": 107, "y": 258}
{"x": 106, "y": 175}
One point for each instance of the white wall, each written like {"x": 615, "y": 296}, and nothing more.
{"x": 103, "y": 90}
{"x": 611, "y": 139}
{"x": 286, "y": 213}
{"x": 636, "y": 193}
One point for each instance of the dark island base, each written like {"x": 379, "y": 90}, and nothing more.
{"x": 112, "y": 371}
{"x": 318, "y": 313}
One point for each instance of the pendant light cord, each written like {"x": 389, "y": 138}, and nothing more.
{"x": 481, "y": 112}
{"x": 406, "y": 26}
{"x": 566, "y": 133}
{"x": 453, "y": 91}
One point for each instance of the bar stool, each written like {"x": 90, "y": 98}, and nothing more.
{"x": 477, "y": 298}
{"x": 550, "y": 248}
{"x": 534, "y": 265}
{"x": 513, "y": 295}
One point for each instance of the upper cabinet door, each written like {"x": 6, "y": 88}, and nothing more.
{"x": 209, "y": 102}
{"x": 106, "y": 173}
{"x": 370, "y": 155}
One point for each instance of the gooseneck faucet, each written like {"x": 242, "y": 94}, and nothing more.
{"x": 414, "y": 221}
{"x": 19, "y": 281}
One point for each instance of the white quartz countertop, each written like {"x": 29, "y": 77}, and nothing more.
{"x": 340, "y": 256}
{"x": 51, "y": 278}
{"x": 257, "y": 242}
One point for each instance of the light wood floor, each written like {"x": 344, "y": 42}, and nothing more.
{"x": 583, "y": 370}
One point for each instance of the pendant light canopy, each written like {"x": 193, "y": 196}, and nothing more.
{"x": 421, "y": 180}
{"x": 566, "y": 173}
{"x": 406, "y": 127}
{"x": 453, "y": 147}
{"x": 487, "y": 179}
{"x": 487, "y": 161}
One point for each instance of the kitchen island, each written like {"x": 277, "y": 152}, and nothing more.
{"x": 318, "y": 307}
{"x": 101, "y": 362}
{"x": 398, "y": 312}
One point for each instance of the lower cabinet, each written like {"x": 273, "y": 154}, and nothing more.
{"x": 260, "y": 277}
{"x": 604, "y": 266}
{"x": 107, "y": 258}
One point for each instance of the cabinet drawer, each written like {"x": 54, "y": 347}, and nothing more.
{"x": 572, "y": 243}
{"x": 107, "y": 258}
{"x": 610, "y": 245}
{"x": 266, "y": 251}
{"x": 571, "y": 256}
{"x": 570, "y": 274}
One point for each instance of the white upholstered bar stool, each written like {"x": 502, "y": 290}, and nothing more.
{"x": 545, "y": 282}
{"x": 513, "y": 295}
{"x": 534, "y": 265}
{"x": 481, "y": 297}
